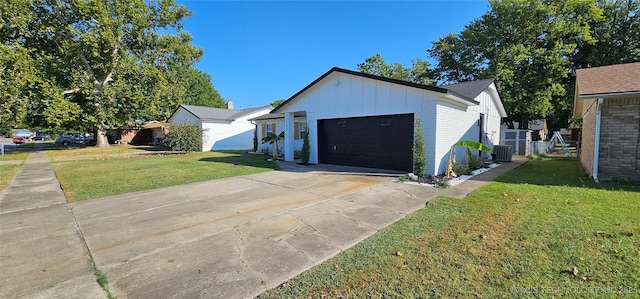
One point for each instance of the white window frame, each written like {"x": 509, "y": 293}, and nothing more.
{"x": 267, "y": 130}
{"x": 302, "y": 128}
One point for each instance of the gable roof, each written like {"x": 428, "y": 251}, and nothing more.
{"x": 211, "y": 113}
{"x": 469, "y": 89}
{"x": 608, "y": 80}
{"x": 442, "y": 90}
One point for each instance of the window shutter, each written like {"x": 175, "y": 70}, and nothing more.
{"x": 273, "y": 129}
{"x": 263, "y": 131}
{"x": 296, "y": 131}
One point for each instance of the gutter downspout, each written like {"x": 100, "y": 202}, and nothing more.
{"x": 596, "y": 146}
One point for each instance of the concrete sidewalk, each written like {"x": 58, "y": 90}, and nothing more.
{"x": 42, "y": 253}
{"x": 227, "y": 238}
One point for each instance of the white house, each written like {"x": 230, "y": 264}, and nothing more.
{"x": 360, "y": 119}
{"x": 223, "y": 129}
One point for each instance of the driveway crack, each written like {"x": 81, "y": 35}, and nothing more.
{"x": 318, "y": 233}
{"x": 101, "y": 278}
{"x": 243, "y": 262}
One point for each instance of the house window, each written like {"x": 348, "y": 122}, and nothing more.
{"x": 302, "y": 129}
{"x": 342, "y": 123}
{"x": 267, "y": 130}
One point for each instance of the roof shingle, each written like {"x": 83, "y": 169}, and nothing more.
{"x": 610, "y": 79}
{"x": 469, "y": 89}
{"x": 202, "y": 112}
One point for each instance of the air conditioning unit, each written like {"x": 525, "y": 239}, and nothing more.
{"x": 502, "y": 153}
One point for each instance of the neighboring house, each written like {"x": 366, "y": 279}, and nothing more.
{"x": 150, "y": 133}
{"x": 122, "y": 135}
{"x": 154, "y": 132}
{"x": 359, "y": 119}
{"x": 607, "y": 99}
{"x": 224, "y": 129}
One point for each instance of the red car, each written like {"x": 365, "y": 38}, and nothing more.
{"x": 19, "y": 140}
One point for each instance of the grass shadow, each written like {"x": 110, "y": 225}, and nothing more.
{"x": 243, "y": 159}
{"x": 561, "y": 171}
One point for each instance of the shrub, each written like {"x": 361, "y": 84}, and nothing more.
{"x": 184, "y": 137}
{"x": 306, "y": 148}
{"x": 462, "y": 169}
{"x": 419, "y": 152}
{"x": 255, "y": 140}
{"x": 472, "y": 161}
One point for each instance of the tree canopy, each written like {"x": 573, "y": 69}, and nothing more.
{"x": 95, "y": 63}
{"x": 277, "y": 102}
{"x": 200, "y": 90}
{"x": 524, "y": 45}
{"x": 532, "y": 47}
{"x": 419, "y": 72}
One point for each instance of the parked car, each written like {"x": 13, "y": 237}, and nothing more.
{"x": 42, "y": 136}
{"x": 19, "y": 140}
{"x": 23, "y": 133}
{"x": 66, "y": 139}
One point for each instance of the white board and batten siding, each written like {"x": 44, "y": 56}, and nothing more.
{"x": 489, "y": 106}
{"x": 342, "y": 95}
{"x": 445, "y": 118}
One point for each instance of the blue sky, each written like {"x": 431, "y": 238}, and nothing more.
{"x": 260, "y": 51}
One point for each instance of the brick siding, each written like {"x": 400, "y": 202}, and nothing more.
{"x": 619, "y": 139}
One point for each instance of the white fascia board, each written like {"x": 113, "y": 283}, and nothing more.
{"x": 609, "y": 95}
{"x": 456, "y": 100}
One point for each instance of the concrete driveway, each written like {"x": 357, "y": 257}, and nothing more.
{"x": 235, "y": 237}
{"x": 227, "y": 238}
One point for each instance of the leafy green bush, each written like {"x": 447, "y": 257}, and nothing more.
{"x": 462, "y": 169}
{"x": 184, "y": 137}
{"x": 472, "y": 161}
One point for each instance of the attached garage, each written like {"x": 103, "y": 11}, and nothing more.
{"x": 376, "y": 141}
{"x": 365, "y": 120}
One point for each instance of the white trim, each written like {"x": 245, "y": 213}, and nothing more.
{"x": 600, "y": 96}
{"x": 288, "y": 136}
{"x": 457, "y": 101}
{"x": 596, "y": 143}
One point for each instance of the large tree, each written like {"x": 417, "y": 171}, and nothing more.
{"x": 525, "y": 45}
{"x": 95, "y": 63}
{"x": 419, "y": 71}
{"x": 617, "y": 36}
{"x": 200, "y": 91}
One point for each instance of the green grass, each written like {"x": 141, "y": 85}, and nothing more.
{"x": 15, "y": 155}
{"x": 82, "y": 180}
{"x": 523, "y": 236}
{"x": 7, "y": 172}
{"x": 77, "y": 150}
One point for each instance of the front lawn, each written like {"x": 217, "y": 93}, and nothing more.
{"x": 78, "y": 150}
{"x": 7, "y": 172}
{"x": 97, "y": 178}
{"x": 14, "y": 155}
{"x": 543, "y": 230}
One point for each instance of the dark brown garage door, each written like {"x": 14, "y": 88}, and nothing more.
{"x": 375, "y": 141}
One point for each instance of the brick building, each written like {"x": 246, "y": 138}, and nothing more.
{"x": 607, "y": 99}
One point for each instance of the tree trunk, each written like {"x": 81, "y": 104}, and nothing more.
{"x": 524, "y": 123}
{"x": 101, "y": 136}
